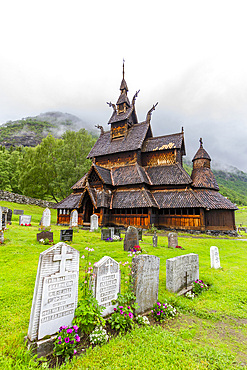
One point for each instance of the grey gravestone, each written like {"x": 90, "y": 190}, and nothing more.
{"x": 145, "y": 272}
{"x": 4, "y": 212}
{"x": 181, "y": 271}
{"x": 155, "y": 240}
{"x": 131, "y": 238}
{"x": 46, "y": 218}
{"x": 215, "y": 257}
{"x": 106, "y": 284}
{"x": 18, "y": 212}
{"x": 105, "y": 234}
{"x": 117, "y": 232}
{"x": 94, "y": 223}
{"x": 1, "y": 219}
{"x": 25, "y": 220}
{"x": 1, "y": 236}
{"x": 140, "y": 234}
{"x": 9, "y": 216}
{"x": 45, "y": 235}
{"x": 73, "y": 219}
{"x": 56, "y": 291}
{"x": 172, "y": 240}
{"x": 66, "y": 235}
{"x": 112, "y": 232}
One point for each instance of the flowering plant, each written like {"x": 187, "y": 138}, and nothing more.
{"x": 26, "y": 225}
{"x": 190, "y": 295}
{"x": 117, "y": 238}
{"x": 198, "y": 286}
{"x": 162, "y": 311}
{"x": 142, "y": 320}
{"x": 99, "y": 336}
{"x": 109, "y": 240}
{"x": 66, "y": 341}
{"x": 46, "y": 241}
{"x": 178, "y": 246}
{"x": 136, "y": 249}
{"x": 122, "y": 318}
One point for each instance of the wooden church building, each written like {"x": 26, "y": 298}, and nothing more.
{"x": 137, "y": 179}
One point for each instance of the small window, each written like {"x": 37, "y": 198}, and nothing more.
{"x": 197, "y": 211}
{"x": 172, "y": 211}
{"x": 184, "y": 211}
{"x": 166, "y": 211}
{"x": 190, "y": 211}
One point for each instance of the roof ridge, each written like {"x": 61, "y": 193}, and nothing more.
{"x": 158, "y": 137}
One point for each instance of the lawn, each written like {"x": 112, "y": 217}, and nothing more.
{"x": 209, "y": 332}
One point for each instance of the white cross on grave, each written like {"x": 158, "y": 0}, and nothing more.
{"x": 108, "y": 264}
{"x": 63, "y": 257}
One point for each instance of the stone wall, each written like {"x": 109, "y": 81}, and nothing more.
{"x": 23, "y": 199}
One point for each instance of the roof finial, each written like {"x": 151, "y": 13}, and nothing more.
{"x": 123, "y": 68}
{"x": 201, "y": 146}
{"x": 182, "y": 129}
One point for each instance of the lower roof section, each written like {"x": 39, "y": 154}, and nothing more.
{"x": 212, "y": 199}
{"x": 72, "y": 201}
{"x": 133, "y": 199}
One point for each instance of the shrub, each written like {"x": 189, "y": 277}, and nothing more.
{"x": 99, "y": 336}
{"x": 142, "y": 320}
{"x": 199, "y": 286}
{"x": 162, "y": 311}
{"x": 66, "y": 342}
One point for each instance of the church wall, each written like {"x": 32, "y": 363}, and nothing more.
{"x": 220, "y": 220}
{"x": 159, "y": 158}
{"x": 117, "y": 160}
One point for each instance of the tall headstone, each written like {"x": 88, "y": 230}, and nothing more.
{"x": 131, "y": 238}
{"x": 215, "y": 257}
{"x": 181, "y": 271}
{"x": 94, "y": 222}
{"x": 73, "y": 219}
{"x": 1, "y": 219}
{"x": 145, "y": 272}
{"x": 4, "y": 217}
{"x": 155, "y": 240}
{"x": 25, "y": 220}
{"x": 140, "y": 234}
{"x": 106, "y": 284}
{"x": 172, "y": 240}
{"x": 56, "y": 291}
{"x": 46, "y": 218}
{"x": 9, "y": 216}
{"x": 112, "y": 232}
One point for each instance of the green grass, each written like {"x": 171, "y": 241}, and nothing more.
{"x": 209, "y": 333}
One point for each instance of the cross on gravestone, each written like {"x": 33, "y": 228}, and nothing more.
{"x": 63, "y": 257}
{"x": 186, "y": 280}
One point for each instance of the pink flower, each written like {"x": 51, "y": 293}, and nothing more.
{"x": 69, "y": 331}
{"x": 75, "y": 327}
{"x": 75, "y": 351}
{"x": 77, "y": 338}
{"x": 131, "y": 315}
{"x": 121, "y": 312}
{"x": 66, "y": 340}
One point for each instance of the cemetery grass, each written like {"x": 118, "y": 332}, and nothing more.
{"x": 209, "y": 333}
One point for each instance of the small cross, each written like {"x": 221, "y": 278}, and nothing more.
{"x": 186, "y": 280}
{"x": 108, "y": 264}
{"x": 63, "y": 257}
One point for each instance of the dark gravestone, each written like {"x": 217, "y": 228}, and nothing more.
{"x": 140, "y": 234}
{"x": 105, "y": 234}
{"x": 18, "y": 212}
{"x": 9, "y": 216}
{"x": 131, "y": 238}
{"x": 45, "y": 235}
{"x": 155, "y": 240}
{"x": 117, "y": 232}
{"x": 66, "y": 235}
{"x": 4, "y": 220}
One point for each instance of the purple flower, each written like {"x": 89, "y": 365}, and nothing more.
{"x": 59, "y": 338}
{"x": 62, "y": 328}
{"x": 158, "y": 303}
{"x": 72, "y": 341}
{"x": 66, "y": 340}
{"x": 131, "y": 315}
{"x": 77, "y": 338}
{"x": 60, "y": 342}
{"x": 75, "y": 327}
{"x": 69, "y": 331}
{"x": 128, "y": 307}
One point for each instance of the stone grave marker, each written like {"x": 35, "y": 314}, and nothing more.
{"x": 145, "y": 272}
{"x": 55, "y": 293}
{"x": 131, "y": 238}
{"x": 66, "y": 235}
{"x": 94, "y": 223}
{"x": 106, "y": 284}
{"x": 18, "y": 212}
{"x": 105, "y": 234}
{"x": 181, "y": 271}
{"x": 140, "y": 234}
{"x": 73, "y": 219}
{"x": 9, "y": 216}
{"x": 155, "y": 240}
{"x": 46, "y": 218}
{"x": 4, "y": 213}
{"x": 1, "y": 219}
{"x": 112, "y": 232}
{"x": 172, "y": 240}
{"x": 1, "y": 236}
{"x": 45, "y": 235}
{"x": 25, "y": 220}
{"x": 117, "y": 232}
{"x": 215, "y": 257}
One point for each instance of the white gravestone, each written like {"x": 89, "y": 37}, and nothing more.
{"x": 94, "y": 223}
{"x": 145, "y": 272}
{"x": 56, "y": 291}
{"x": 215, "y": 257}
{"x": 112, "y": 232}
{"x": 46, "y": 218}
{"x": 73, "y": 219}
{"x": 25, "y": 219}
{"x": 106, "y": 284}
{"x": 181, "y": 271}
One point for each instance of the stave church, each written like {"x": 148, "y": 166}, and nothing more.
{"x": 138, "y": 179}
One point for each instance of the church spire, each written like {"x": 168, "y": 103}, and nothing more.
{"x": 123, "y": 102}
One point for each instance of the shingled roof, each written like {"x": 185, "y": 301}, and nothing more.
{"x": 203, "y": 177}
{"x": 71, "y": 201}
{"x": 122, "y": 116}
{"x": 212, "y": 199}
{"x": 176, "y": 199}
{"x": 132, "y": 141}
{"x": 173, "y": 141}
{"x": 104, "y": 174}
{"x": 129, "y": 175}
{"x": 168, "y": 175}
{"x": 133, "y": 199}
{"x": 201, "y": 153}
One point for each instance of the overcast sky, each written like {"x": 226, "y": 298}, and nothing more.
{"x": 190, "y": 56}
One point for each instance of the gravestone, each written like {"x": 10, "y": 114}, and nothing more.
{"x": 105, "y": 234}
{"x": 155, "y": 240}
{"x": 1, "y": 219}
{"x": 131, "y": 238}
{"x": 112, "y": 232}
{"x": 25, "y": 220}
{"x": 145, "y": 273}
{"x": 73, "y": 219}
{"x": 106, "y": 284}
{"x": 46, "y": 218}
{"x": 9, "y": 216}
{"x": 94, "y": 223}
{"x": 140, "y": 234}
{"x": 117, "y": 232}
{"x": 66, "y": 235}
{"x": 45, "y": 235}
{"x": 215, "y": 257}
{"x": 1, "y": 236}
{"x": 181, "y": 271}
{"x": 55, "y": 293}
{"x": 172, "y": 240}
{"x": 18, "y": 212}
